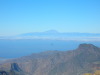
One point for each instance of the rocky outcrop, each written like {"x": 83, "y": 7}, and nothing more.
{"x": 3, "y": 73}
{"x": 15, "y": 70}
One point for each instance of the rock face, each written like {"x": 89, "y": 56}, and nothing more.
{"x": 84, "y": 59}
{"x": 3, "y": 73}
{"x": 15, "y": 67}
{"x": 15, "y": 70}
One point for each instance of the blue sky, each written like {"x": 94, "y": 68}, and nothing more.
{"x": 23, "y": 16}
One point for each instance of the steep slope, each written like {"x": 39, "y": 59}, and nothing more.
{"x": 73, "y": 62}
{"x": 14, "y": 70}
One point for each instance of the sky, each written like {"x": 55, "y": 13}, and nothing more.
{"x": 23, "y": 16}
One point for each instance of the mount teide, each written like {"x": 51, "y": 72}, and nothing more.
{"x": 74, "y": 62}
{"x": 55, "y": 35}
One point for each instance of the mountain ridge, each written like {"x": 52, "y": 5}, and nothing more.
{"x": 55, "y": 35}
{"x": 73, "y": 62}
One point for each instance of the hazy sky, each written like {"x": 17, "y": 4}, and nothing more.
{"x": 22, "y": 16}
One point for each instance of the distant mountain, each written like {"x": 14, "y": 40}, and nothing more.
{"x": 84, "y": 59}
{"x": 51, "y": 31}
{"x": 55, "y": 35}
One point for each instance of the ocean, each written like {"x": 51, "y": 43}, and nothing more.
{"x": 24, "y": 47}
